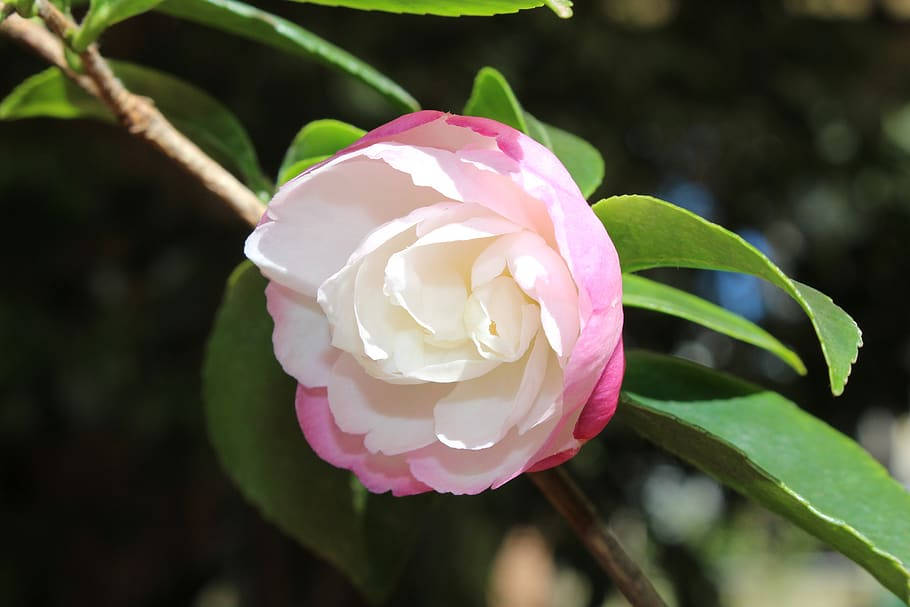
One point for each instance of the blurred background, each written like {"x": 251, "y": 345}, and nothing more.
{"x": 786, "y": 121}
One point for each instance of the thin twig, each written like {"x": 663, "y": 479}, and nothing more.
{"x": 138, "y": 114}
{"x": 575, "y": 507}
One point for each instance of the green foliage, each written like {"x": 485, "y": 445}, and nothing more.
{"x": 768, "y": 449}
{"x": 51, "y": 94}
{"x": 315, "y": 142}
{"x": 105, "y": 13}
{"x": 250, "y": 22}
{"x": 492, "y": 97}
{"x": 446, "y": 8}
{"x": 250, "y": 410}
{"x": 640, "y": 292}
{"x": 652, "y": 233}
{"x": 201, "y": 117}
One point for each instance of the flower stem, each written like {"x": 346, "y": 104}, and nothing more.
{"x": 577, "y": 509}
{"x": 138, "y": 114}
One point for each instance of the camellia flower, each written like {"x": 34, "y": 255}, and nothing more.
{"x": 447, "y": 301}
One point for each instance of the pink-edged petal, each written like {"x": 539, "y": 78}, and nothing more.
{"x": 301, "y": 336}
{"x": 462, "y": 471}
{"x": 476, "y": 413}
{"x": 394, "y": 418}
{"x": 555, "y": 459}
{"x": 379, "y": 473}
{"x": 582, "y": 242}
{"x": 560, "y": 446}
{"x": 422, "y": 127}
{"x": 602, "y": 403}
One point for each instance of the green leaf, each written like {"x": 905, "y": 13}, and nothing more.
{"x": 492, "y": 97}
{"x": 445, "y": 8}
{"x": 249, "y": 22}
{"x": 315, "y": 142}
{"x": 640, "y": 292}
{"x": 198, "y": 115}
{"x": 50, "y": 94}
{"x": 252, "y": 424}
{"x": 768, "y": 449}
{"x": 651, "y": 233}
{"x": 104, "y": 13}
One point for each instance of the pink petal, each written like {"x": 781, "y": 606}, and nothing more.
{"x": 582, "y": 242}
{"x": 461, "y": 471}
{"x": 379, "y": 473}
{"x": 301, "y": 336}
{"x": 602, "y": 404}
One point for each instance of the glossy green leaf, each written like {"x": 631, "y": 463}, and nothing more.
{"x": 195, "y": 113}
{"x": 768, "y": 449}
{"x": 650, "y": 233}
{"x": 250, "y": 22}
{"x": 315, "y": 142}
{"x": 639, "y": 292}
{"x": 105, "y": 13}
{"x": 445, "y": 8}
{"x": 253, "y": 426}
{"x": 492, "y": 97}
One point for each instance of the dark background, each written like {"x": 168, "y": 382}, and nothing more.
{"x": 767, "y": 117}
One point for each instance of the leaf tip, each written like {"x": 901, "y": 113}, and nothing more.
{"x": 562, "y": 8}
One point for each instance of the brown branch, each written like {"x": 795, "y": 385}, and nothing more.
{"x": 575, "y": 507}
{"x": 138, "y": 114}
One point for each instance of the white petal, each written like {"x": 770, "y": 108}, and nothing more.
{"x": 394, "y": 418}
{"x": 430, "y": 278}
{"x": 416, "y": 359}
{"x": 316, "y": 221}
{"x": 477, "y": 413}
{"x": 378, "y": 321}
{"x": 301, "y": 336}
{"x": 501, "y": 320}
{"x": 548, "y": 400}
{"x": 542, "y": 274}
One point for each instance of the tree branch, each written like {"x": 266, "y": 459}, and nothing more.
{"x": 575, "y": 507}
{"x": 138, "y": 114}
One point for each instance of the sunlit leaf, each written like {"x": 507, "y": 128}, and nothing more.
{"x": 649, "y": 233}
{"x": 770, "y": 450}
{"x": 104, "y": 13}
{"x": 492, "y": 97}
{"x": 446, "y": 8}
{"x": 315, "y": 142}
{"x": 639, "y": 292}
